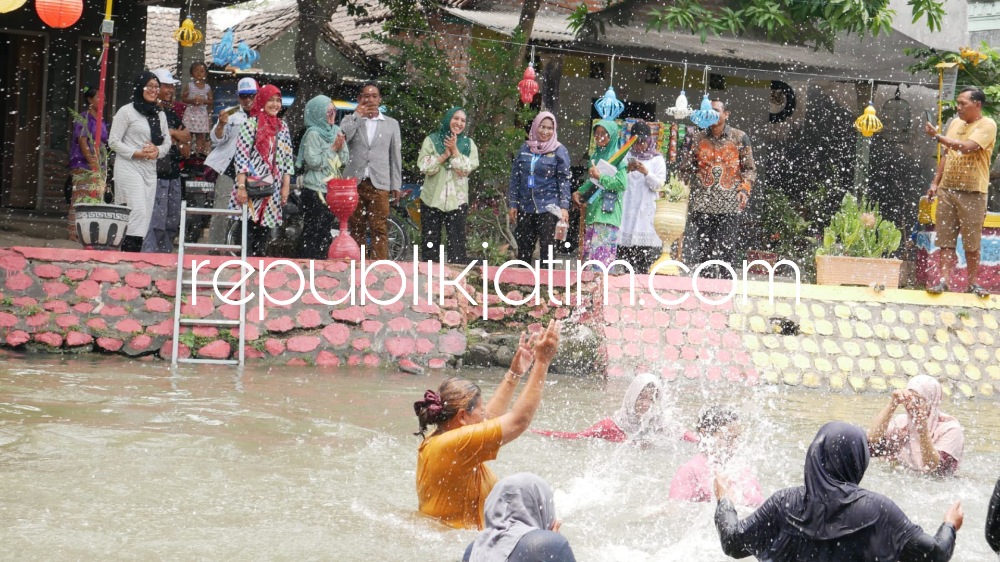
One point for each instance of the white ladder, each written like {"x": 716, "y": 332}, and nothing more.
{"x": 183, "y": 283}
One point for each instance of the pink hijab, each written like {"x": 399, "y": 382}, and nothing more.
{"x": 538, "y": 147}
{"x": 946, "y": 432}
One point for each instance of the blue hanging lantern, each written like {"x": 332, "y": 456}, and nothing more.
{"x": 705, "y": 117}
{"x": 608, "y": 107}
{"x": 222, "y": 52}
{"x": 245, "y": 56}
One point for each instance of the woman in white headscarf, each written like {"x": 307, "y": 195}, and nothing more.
{"x": 924, "y": 438}
{"x": 640, "y": 417}
{"x": 521, "y": 524}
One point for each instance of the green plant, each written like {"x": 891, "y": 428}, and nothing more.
{"x": 674, "y": 190}
{"x": 858, "y": 230}
{"x": 97, "y": 178}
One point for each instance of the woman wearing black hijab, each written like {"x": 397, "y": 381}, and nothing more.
{"x": 831, "y": 518}
{"x": 139, "y": 136}
{"x": 993, "y": 520}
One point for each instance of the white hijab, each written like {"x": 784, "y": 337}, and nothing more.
{"x": 653, "y": 420}
{"x": 517, "y": 505}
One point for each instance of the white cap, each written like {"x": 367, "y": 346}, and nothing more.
{"x": 164, "y": 76}
{"x": 246, "y": 86}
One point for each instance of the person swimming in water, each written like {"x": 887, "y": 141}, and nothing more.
{"x": 640, "y": 417}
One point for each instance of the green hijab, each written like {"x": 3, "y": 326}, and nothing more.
{"x": 463, "y": 143}
{"x": 608, "y": 151}
{"x": 315, "y": 117}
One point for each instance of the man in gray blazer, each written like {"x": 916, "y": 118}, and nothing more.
{"x": 374, "y": 142}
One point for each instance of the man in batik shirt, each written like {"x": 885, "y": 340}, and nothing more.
{"x": 720, "y": 171}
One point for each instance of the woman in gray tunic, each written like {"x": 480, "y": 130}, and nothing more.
{"x": 139, "y": 136}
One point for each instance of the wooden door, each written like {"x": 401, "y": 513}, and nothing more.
{"x": 22, "y": 120}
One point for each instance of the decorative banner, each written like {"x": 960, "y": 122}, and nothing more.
{"x": 10, "y": 5}
{"x": 59, "y": 14}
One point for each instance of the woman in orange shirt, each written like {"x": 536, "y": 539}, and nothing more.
{"x": 452, "y": 479}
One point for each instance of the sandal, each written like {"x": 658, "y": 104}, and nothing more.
{"x": 937, "y": 288}
{"x": 978, "y": 290}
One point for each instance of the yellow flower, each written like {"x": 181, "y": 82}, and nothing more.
{"x": 975, "y": 57}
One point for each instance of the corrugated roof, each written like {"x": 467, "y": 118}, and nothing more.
{"x": 161, "y": 49}
{"x": 548, "y": 26}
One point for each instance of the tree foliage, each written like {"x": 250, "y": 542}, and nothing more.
{"x": 812, "y": 22}
{"x": 976, "y": 68}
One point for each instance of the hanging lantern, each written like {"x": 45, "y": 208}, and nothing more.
{"x": 868, "y": 124}
{"x": 681, "y": 109}
{"x": 59, "y": 14}
{"x": 527, "y": 86}
{"x": 187, "y": 35}
{"x": 245, "y": 56}
{"x": 705, "y": 117}
{"x": 223, "y": 51}
{"x": 608, "y": 107}
{"x": 898, "y": 119}
{"x": 10, "y": 5}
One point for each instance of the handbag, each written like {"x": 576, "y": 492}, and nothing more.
{"x": 259, "y": 188}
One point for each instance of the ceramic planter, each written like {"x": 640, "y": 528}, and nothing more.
{"x": 101, "y": 226}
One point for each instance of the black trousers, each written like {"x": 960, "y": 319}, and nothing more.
{"x": 640, "y": 257}
{"x": 257, "y": 238}
{"x": 532, "y": 228}
{"x": 717, "y": 238}
{"x": 432, "y": 222}
{"x": 318, "y": 220}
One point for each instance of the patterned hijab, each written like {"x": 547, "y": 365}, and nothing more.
{"x": 605, "y": 153}
{"x": 438, "y": 137}
{"x": 535, "y": 145}
{"x": 151, "y": 111}
{"x": 267, "y": 126}
{"x": 644, "y": 149}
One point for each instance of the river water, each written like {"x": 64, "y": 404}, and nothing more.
{"x": 105, "y": 459}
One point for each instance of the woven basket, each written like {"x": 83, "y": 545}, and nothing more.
{"x": 846, "y": 270}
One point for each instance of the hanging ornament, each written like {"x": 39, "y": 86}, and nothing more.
{"x": 608, "y": 107}
{"x": 705, "y": 117}
{"x": 59, "y": 14}
{"x": 245, "y": 56}
{"x": 528, "y": 87}
{"x": 223, "y": 51}
{"x": 10, "y": 5}
{"x": 187, "y": 35}
{"x": 868, "y": 124}
{"x": 681, "y": 109}
{"x": 898, "y": 118}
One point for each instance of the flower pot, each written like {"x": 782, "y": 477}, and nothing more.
{"x": 342, "y": 197}
{"x": 846, "y": 270}
{"x": 100, "y": 226}
{"x": 669, "y": 222}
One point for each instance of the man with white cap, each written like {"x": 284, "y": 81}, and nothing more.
{"x": 166, "y": 220}
{"x": 223, "y": 136}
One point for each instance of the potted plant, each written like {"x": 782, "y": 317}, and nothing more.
{"x": 99, "y": 226}
{"x": 670, "y": 220}
{"x": 856, "y": 246}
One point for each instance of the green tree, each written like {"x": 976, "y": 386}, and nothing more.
{"x": 976, "y": 68}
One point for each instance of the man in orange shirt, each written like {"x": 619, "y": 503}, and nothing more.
{"x": 961, "y": 184}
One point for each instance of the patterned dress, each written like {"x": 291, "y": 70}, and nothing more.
{"x": 249, "y": 161}
{"x": 196, "y": 117}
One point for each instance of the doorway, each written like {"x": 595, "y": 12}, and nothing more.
{"x": 22, "y": 67}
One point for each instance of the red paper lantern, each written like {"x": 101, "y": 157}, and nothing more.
{"x": 59, "y": 14}
{"x": 528, "y": 87}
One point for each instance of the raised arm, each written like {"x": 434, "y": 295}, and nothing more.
{"x": 500, "y": 401}
{"x": 752, "y": 535}
{"x": 939, "y": 548}
{"x": 876, "y": 433}
{"x": 517, "y": 420}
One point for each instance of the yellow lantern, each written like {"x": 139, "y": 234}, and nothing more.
{"x": 187, "y": 35}
{"x": 868, "y": 124}
{"x": 10, "y": 5}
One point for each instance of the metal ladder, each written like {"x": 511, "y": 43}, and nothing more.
{"x": 183, "y": 283}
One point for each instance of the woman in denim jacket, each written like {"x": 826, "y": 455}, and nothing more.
{"x": 539, "y": 188}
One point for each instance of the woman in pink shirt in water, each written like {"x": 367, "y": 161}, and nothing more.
{"x": 640, "y": 417}
{"x": 718, "y": 432}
